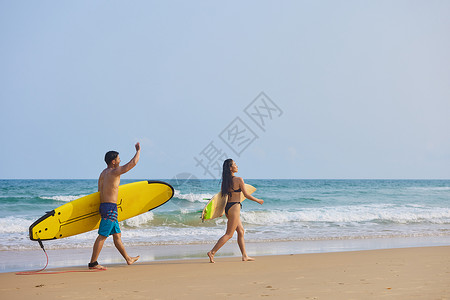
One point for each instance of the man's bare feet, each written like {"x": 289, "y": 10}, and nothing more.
{"x": 247, "y": 258}
{"x": 211, "y": 257}
{"x": 96, "y": 266}
{"x": 132, "y": 260}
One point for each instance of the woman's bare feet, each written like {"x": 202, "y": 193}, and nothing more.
{"x": 211, "y": 257}
{"x": 132, "y": 260}
{"x": 247, "y": 258}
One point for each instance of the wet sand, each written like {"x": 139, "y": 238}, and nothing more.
{"x": 408, "y": 273}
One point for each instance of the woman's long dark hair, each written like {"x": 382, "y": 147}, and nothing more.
{"x": 227, "y": 179}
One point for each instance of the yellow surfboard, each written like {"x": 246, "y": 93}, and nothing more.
{"x": 216, "y": 206}
{"x": 82, "y": 215}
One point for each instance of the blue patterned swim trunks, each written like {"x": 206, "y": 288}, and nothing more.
{"x": 108, "y": 224}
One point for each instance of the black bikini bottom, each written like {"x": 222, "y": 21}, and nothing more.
{"x": 229, "y": 205}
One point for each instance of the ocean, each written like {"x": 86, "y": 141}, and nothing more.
{"x": 295, "y": 212}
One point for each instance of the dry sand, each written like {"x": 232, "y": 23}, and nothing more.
{"x": 410, "y": 273}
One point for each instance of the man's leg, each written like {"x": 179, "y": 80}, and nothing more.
{"x": 98, "y": 245}
{"x": 119, "y": 245}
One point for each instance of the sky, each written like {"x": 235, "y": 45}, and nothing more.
{"x": 288, "y": 89}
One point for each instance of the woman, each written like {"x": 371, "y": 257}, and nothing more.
{"x": 233, "y": 187}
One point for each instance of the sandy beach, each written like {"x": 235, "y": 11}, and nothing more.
{"x": 407, "y": 273}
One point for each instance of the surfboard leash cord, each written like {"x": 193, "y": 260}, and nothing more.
{"x": 39, "y": 272}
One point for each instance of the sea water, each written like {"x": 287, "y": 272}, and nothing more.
{"x": 297, "y": 211}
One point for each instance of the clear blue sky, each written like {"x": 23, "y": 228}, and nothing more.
{"x": 362, "y": 87}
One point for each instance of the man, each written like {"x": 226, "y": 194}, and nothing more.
{"x": 108, "y": 186}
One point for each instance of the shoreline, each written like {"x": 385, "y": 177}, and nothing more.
{"x": 401, "y": 273}
{"x": 26, "y": 260}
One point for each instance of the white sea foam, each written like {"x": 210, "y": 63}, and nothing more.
{"x": 139, "y": 220}
{"x": 14, "y": 225}
{"x": 350, "y": 214}
{"x": 163, "y": 233}
{"x": 67, "y": 198}
{"x": 191, "y": 197}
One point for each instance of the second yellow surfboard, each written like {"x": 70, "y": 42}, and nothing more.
{"x": 216, "y": 206}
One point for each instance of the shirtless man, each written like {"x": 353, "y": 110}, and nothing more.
{"x": 108, "y": 186}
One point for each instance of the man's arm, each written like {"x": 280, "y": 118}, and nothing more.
{"x": 131, "y": 164}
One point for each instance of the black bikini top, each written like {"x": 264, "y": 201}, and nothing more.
{"x": 238, "y": 190}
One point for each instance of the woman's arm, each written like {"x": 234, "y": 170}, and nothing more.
{"x": 246, "y": 194}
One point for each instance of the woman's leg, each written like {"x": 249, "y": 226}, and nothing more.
{"x": 241, "y": 242}
{"x": 233, "y": 221}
